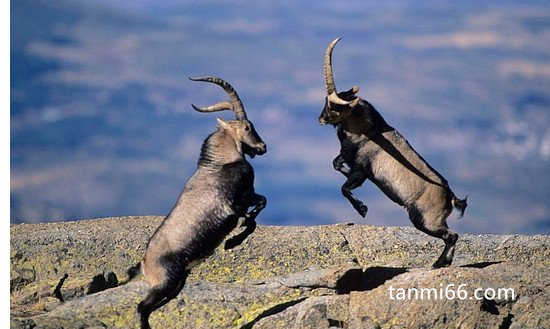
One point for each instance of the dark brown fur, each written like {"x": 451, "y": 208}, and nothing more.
{"x": 371, "y": 149}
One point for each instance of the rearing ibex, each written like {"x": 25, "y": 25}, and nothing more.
{"x": 371, "y": 149}
{"x": 214, "y": 201}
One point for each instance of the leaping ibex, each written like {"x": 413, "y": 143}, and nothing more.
{"x": 371, "y": 149}
{"x": 215, "y": 200}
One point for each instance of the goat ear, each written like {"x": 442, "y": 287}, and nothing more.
{"x": 223, "y": 124}
{"x": 355, "y": 102}
{"x": 353, "y": 90}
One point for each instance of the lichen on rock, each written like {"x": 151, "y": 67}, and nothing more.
{"x": 64, "y": 275}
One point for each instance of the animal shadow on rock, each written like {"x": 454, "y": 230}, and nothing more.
{"x": 481, "y": 264}
{"x": 371, "y": 278}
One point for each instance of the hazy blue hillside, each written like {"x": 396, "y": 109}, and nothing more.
{"x": 101, "y": 122}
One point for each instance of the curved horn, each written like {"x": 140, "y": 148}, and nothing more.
{"x": 329, "y": 79}
{"x": 234, "y": 104}
{"x": 333, "y": 98}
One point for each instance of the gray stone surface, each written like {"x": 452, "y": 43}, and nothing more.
{"x": 64, "y": 275}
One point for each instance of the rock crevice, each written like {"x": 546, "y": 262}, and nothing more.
{"x": 65, "y": 275}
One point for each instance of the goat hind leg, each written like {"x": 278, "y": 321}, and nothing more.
{"x": 157, "y": 297}
{"x": 434, "y": 224}
{"x": 154, "y": 297}
{"x": 447, "y": 255}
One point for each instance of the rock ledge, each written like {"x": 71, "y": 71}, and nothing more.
{"x": 65, "y": 275}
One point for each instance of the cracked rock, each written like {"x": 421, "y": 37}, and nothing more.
{"x": 280, "y": 277}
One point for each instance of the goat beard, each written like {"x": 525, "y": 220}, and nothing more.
{"x": 250, "y": 151}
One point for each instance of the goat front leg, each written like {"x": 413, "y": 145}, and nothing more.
{"x": 355, "y": 179}
{"x": 248, "y": 221}
{"x": 341, "y": 165}
{"x": 258, "y": 201}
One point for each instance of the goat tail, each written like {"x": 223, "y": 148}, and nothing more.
{"x": 459, "y": 204}
{"x": 132, "y": 273}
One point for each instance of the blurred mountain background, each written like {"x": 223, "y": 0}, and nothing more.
{"x": 102, "y": 125}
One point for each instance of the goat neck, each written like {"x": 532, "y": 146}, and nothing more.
{"x": 219, "y": 149}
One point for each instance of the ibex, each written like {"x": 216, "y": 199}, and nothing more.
{"x": 371, "y": 149}
{"x": 215, "y": 200}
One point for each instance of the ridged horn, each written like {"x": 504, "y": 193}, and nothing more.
{"x": 329, "y": 78}
{"x": 234, "y": 104}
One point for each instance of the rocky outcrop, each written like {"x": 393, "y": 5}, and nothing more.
{"x": 65, "y": 275}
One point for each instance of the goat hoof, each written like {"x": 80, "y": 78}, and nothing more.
{"x": 362, "y": 210}
{"x": 441, "y": 264}
{"x": 230, "y": 244}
